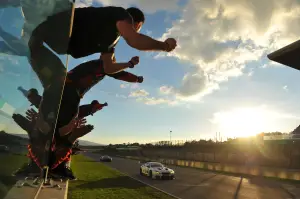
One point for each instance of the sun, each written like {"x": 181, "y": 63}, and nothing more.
{"x": 242, "y": 122}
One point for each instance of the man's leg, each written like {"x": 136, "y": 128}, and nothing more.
{"x": 52, "y": 73}
{"x": 45, "y": 64}
{"x": 79, "y": 74}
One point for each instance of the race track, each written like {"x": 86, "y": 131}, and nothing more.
{"x": 195, "y": 184}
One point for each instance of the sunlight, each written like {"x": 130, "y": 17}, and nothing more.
{"x": 243, "y": 122}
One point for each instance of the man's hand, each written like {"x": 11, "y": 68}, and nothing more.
{"x": 105, "y": 104}
{"x": 69, "y": 127}
{"x": 80, "y": 122}
{"x": 170, "y": 44}
{"x": 140, "y": 79}
{"x": 79, "y": 132}
{"x": 31, "y": 115}
{"x": 134, "y": 61}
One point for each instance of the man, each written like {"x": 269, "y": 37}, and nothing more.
{"x": 90, "y": 109}
{"x": 32, "y": 95}
{"x": 79, "y": 81}
{"x": 94, "y": 30}
{"x": 61, "y": 152}
{"x": 88, "y": 37}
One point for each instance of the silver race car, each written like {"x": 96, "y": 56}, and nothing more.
{"x": 156, "y": 170}
{"x": 105, "y": 158}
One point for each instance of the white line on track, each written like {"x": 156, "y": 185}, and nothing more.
{"x": 146, "y": 183}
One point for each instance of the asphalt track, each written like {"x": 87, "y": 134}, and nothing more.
{"x": 195, "y": 184}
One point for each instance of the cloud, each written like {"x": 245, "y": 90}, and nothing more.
{"x": 155, "y": 101}
{"x": 130, "y": 86}
{"x": 285, "y": 88}
{"x": 149, "y": 32}
{"x": 193, "y": 86}
{"x": 221, "y": 36}
{"x": 144, "y": 97}
{"x": 250, "y": 73}
{"x": 147, "y": 6}
{"x": 139, "y": 93}
{"x": 124, "y": 85}
{"x": 7, "y": 72}
{"x": 13, "y": 74}
{"x": 166, "y": 90}
{"x": 121, "y": 96}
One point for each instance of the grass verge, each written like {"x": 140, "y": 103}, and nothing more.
{"x": 95, "y": 180}
{"x": 10, "y": 163}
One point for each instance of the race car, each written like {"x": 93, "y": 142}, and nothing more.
{"x": 105, "y": 158}
{"x": 156, "y": 170}
{"x": 4, "y": 148}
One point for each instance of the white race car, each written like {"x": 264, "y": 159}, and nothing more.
{"x": 156, "y": 170}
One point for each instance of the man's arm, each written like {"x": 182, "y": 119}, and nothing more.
{"x": 110, "y": 67}
{"x": 89, "y": 109}
{"x": 24, "y": 92}
{"x": 85, "y": 110}
{"x": 137, "y": 40}
{"x": 126, "y": 76}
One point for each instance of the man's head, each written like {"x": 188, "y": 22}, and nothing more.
{"x": 32, "y": 94}
{"x": 137, "y": 16}
{"x": 95, "y": 102}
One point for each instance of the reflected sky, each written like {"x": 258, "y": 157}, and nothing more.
{"x": 18, "y": 19}
{"x": 15, "y": 69}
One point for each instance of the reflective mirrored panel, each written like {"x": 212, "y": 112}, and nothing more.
{"x": 32, "y": 74}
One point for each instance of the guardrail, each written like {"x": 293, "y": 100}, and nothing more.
{"x": 235, "y": 169}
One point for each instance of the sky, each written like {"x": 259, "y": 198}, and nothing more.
{"x": 217, "y": 80}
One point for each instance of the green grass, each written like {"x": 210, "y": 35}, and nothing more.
{"x": 95, "y": 180}
{"x": 9, "y": 163}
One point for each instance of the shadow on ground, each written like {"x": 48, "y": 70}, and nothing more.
{"x": 6, "y": 182}
{"x": 119, "y": 182}
{"x": 10, "y": 162}
{"x": 238, "y": 188}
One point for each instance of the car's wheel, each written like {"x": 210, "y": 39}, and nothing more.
{"x": 141, "y": 172}
{"x": 150, "y": 174}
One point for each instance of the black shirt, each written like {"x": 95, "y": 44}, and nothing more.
{"x": 95, "y": 31}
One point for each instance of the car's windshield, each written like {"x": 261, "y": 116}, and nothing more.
{"x": 156, "y": 165}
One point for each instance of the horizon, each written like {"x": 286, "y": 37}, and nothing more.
{"x": 217, "y": 138}
{"x": 217, "y": 80}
